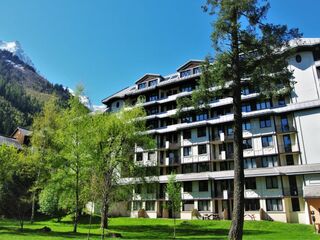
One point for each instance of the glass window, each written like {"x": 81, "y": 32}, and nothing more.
{"x": 252, "y": 204}
{"x": 185, "y": 73}
{"x": 136, "y": 205}
{"x": 274, "y": 204}
{"x": 139, "y": 156}
{"x": 187, "y": 88}
{"x": 153, "y": 97}
{"x": 187, "y": 186}
{"x": 201, "y": 117}
{"x": 245, "y": 90}
{"x": 196, "y": 70}
{"x": 142, "y": 85}
{"x": 289, "y": 160}
{"x": 295, "y": 204}
{"x": 265, "y": 122}
{"x": 203, "y": 167}
{"x": 250, "y": 163}
{"x": 250, "y": 183}
{"x": 153, "y": 83}
{"x": 287, "y": 143}
{"x": 204, "y": 205}
{"x": 203, "y": 186}
{"x": 272, "y": 182}
{"x": 267, "y": 141}
{"x": 246, "y": 125}
{"x": 187, "y": 151}
{"x": 189, "y": 168}
{"x": 247, "y": 143}
{"x": 269, "y": 161}
{"x": 263, "y": 105}
{"x": 202, "y": 149}
{"x": 150, "y": 205}
{"x": 187, "y": 119}
{"x": 188, "y": 205}
{"x": 137, "y": 188}
{"x": 229, "y": 130}
{"x": 187, "y": 134}
{"x": 202, "y": 132}
{"x": 281, "y": 102}
{"x": 246, "y": 108}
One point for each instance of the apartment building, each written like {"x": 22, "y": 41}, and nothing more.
{"x": 281, "y": 145}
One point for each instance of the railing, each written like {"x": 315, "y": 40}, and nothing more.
{"x": 225, "y": 194}
{"x": 292, "y": 191}
{"x": 285, "y": 128}
{"x": 285, "y": 148}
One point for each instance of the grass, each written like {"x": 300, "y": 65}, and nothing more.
{"x": 156, "y": 229}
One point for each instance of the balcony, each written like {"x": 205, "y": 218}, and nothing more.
{"x": 169, "y": 161}
{"x": 292, "y": 191}
{"x": 288, "y": 148}
{"x": 285, "y": 129}
{"x": 223, "y": 194}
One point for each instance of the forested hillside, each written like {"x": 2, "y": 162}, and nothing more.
{"x": 22, "y": 93}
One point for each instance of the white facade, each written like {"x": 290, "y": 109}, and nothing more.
{"x": 282, "y": 150}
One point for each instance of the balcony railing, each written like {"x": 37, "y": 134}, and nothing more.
{"x": 292, "y": 191}
{"x": 285, "y": 128}
{"x": 285, "y": 148}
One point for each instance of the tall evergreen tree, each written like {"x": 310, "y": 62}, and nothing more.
{"x": 247, "y": 48}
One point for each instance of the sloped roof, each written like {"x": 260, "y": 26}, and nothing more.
{"x": 24, "y": 131}
{"x": 190, "y": 62}
{"x": 148, "y": 76}
{"x": 10, "y": 142}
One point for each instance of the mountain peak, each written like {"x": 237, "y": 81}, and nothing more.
{"x": 15, "y": 48}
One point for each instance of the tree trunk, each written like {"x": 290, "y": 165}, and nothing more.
{"x": 105, "y": 200}
{"x": 236, "y": 229}
{"x": 33, "y": 203}
{"x": 76, "y": 214}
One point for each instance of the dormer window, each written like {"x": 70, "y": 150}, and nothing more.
{"x": 196, "y": 70}
{"x": 142, "y": 85}
{"x": 185, "y": 73}
{"x": 153, "y": 83}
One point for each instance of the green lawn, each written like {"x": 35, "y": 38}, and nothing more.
{"x": 158, "y": 229}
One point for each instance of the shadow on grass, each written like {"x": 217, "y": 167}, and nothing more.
{"x": 165, "y": 232}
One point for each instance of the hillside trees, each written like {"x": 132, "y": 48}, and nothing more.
{"x": 246, "y": 48}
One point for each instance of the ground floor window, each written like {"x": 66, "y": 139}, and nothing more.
{"x": 188, "y": 205}
{"x": 295, "y": 204}
{"x": 150, "y": 205}
{"x": 136, "y": 205}
{"x": 252, "y": 204}
{"x": 204, "y": 205}
{"x": 274, "y": 204}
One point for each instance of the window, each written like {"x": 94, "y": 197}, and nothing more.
{"x": 203, "y": 186}
{"x": 267, "y": 141}
{"x": 153, "y": 97}
{"x": 263, "y": 105}
{"x": 187, "y": 151}
{"x": 250, "y": 163}
{"x": 189, "y": 168}
{"x": 203, "y": 167}
{"x": 186, "y": 88}
{"x": 295, "y": 204}
{"x": 245, "y": 90}
{"x": 203, "y": 205}
{"x": 246, "y": 108}
{"x": 247, "y": 143}
{"x": 281, "y": 102}
{"x": 185, "y": 73}
{"x": 202, "y": 149}
{"x": 269, "y": 161}
{"x": 250, "y": 183}
{"x": 252, "y": 204}
{"x": 202, "y": 132}
{"x": 287, "y": 143}
{"x": 150, "y": 205}
{"x": 272, "y": 182}
{"x": 142, "y": 85}
{"x": 284, "y": 123}
{"x": 201, "y": 117}
{"x": 151, "y": 156}
{"x": 187, "y": 119}
{"x": 187, "y": 186}
{"x": 289, "y": 160}
{"x": 153, "y": 83}
{"x": 187, "y": 134}
{"x": 139, "y": 156}
{"x": 150, "y": 188}
{"x": 137, "y": 189}
{"x": 265, "y": 122}
{"x": 188, "y": 205}
{"x": 229, "y": 130}
{"x": 136, "y": 205}
{"x": 246, "y": 125}
{"x": 117, "y": 105}
{"x": 274, "y": 204}
{"x": 196, "y": 70}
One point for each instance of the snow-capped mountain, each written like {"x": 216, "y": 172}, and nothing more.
{"x": 15, "y": 48}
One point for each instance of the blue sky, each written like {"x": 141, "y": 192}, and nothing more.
{"x": 107, "y": 44}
